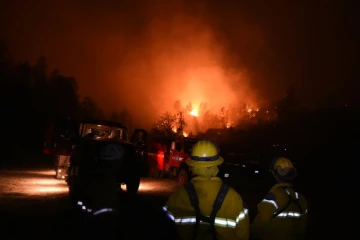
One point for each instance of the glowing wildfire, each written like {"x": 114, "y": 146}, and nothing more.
{"x": 192, "y": 120}
{"x": 185, "y": 134}
{"x": 194, "y": 113}
{"x": 196, "y": 82}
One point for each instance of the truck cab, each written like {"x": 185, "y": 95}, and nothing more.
{"x": 172, "y": 162}
{"x": 180, "y": 150}
{"x": 59, "y": 143}
{"x": 62, "y": 135}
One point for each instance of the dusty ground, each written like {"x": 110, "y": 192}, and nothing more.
{"x": 35, "y": 205}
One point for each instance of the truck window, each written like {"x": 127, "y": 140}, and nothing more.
{"x": 104, "y": 132}
{"x": 178, "y": 146}
{"x": 188, "y": 146}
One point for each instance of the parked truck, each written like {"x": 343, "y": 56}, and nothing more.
{"x": 59, "y": 143}
{"x": 168, "y": 158}
{"x": 62, "y": 136}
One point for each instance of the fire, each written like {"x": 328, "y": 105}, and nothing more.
{"x": 194, "y": 112}
{"x": 185, "y": 134}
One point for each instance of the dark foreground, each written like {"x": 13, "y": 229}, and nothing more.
{"x": 35, "y": 205}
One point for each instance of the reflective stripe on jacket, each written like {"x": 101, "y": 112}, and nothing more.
{"x": 280, "y": 218}
{"x": 231, "y": 222}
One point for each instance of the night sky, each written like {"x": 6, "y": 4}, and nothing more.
{"x": 144, "y": 55}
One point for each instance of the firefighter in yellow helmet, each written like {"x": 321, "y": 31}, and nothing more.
{"x": 282, "y": 214}
{"x": 206, "y": 208}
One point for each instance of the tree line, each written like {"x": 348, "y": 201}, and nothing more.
{"x": 184, "y": 121}
{"x": 322, "y": 141}
{"x": 31, "y": 98}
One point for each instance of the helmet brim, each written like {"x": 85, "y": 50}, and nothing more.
{"x": 193, "y": 163}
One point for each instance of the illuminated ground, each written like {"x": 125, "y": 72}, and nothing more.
{"x": 34, "y": 204}
{"x": 37, "y": 201}
{"x": 33, "y": 183}
{"x": 20, "y": 184}
{"x": 34, "y": 197}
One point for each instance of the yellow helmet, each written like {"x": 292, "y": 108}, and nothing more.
{"x": 206, "y": 154}
{"x": 283, "y": 168}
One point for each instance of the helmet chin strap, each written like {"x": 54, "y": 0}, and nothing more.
{"x": 278, "y": 178}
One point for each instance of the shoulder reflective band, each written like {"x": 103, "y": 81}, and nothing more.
{"x": 104, "y": 210}
{"x": 272, "y": 202}
{"x": 291, "y": 214}
{"x": 221, "y": 222}
{"x": 97, "y": 212}
{"x": 83, "y": 207}
{"x": 282, "y": 213}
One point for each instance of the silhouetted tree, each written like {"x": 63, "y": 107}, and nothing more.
{"x": 30, "y": 99}
{"x": 5, "y": 58}
{"x": 223, "y": 117}
{"x": 177, "y": 106}
{"x": 165, "y": 125}
{"x": 59, "y": 87}
{"x": 123, "y": 117}
{"x": 115, "y": 117}
{"x": 90, "y": 109}
{"x": 39, "y": 72}
{"x": 180, "y": 123}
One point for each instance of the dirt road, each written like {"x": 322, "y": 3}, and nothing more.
{"x": 35, "y": 205}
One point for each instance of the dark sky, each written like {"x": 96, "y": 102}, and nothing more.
{"x": 146, "y": 54}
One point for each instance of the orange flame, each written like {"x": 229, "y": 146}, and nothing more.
{"x": 194, "y": 113}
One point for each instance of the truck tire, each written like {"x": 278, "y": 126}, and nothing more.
{"x": 183, "y": 176}
{"x": 74, "y": 192}
{"x": 74, "y": 188}
{"x": 132, "y": 186}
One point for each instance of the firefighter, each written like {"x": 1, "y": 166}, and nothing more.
{"x": 282, "y": 214}
{"x": 206, "y": 208}
{"x": 93, "y": 183}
